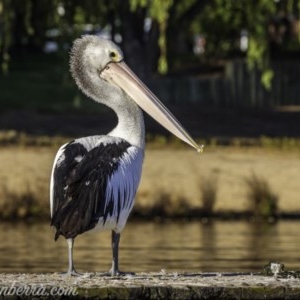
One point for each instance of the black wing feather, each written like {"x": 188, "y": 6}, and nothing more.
{"x": 80, "y": 187}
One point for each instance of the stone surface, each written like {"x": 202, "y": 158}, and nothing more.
{"x": 150, "y": 286}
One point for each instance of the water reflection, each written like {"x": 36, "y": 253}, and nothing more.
{"x": 191, "y": 247}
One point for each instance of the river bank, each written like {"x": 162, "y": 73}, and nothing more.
{"x": 172, "y": 183}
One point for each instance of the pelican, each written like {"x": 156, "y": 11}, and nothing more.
{"x": 94, "y": 179}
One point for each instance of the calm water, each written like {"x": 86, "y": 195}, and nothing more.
{"x": 220, "y": 246}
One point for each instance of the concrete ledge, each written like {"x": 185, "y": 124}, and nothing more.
{"x": 149, "y": 286}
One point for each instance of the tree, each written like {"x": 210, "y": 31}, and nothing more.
{"x": 158, "y": 35}
{"x": 222, "y": 21}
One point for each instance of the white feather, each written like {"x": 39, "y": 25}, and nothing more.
{"x": 57, "y": 161}
{"x": 123, "y": 183}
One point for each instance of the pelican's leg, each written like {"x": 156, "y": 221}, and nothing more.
{"x": 115, "y": 239}
{"x": 71, "y": 270}
{"x": 114, "y": 271}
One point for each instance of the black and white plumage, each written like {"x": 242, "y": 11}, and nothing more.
{"x": 85, "y": 176}
{"x": 94, "y": 179}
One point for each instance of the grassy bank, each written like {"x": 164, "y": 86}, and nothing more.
{"x": 176, "y": 181}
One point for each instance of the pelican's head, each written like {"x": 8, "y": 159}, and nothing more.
{"x": 89, "y": 57}
{"x": 95, "y": 61}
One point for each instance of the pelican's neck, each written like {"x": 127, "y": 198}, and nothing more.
{"x": 130, "y": 118}
{"x": 130, "y": 125}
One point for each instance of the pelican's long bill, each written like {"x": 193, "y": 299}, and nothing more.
{"x": 121, "y": 75}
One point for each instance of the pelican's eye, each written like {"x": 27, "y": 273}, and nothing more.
{"x": 113, "y": 55}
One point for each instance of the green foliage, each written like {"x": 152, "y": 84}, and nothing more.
{"x": 159, "y": 11}
{"x": 5, "y": 23}
{"x": 23, "y": 23}
{"x": 284, "y": 144}
{"x": 221, "y": 22}
{"x": 134, "y": 4}
{"x": 266, "y": 78}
